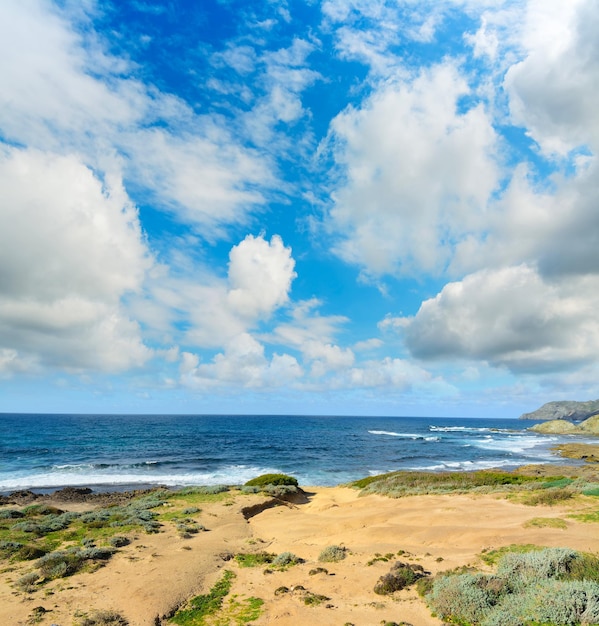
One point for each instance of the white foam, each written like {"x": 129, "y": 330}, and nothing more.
{"x": 394, "y": 434}
{"x": 457, "y": 466}
{"x": 229, "y": 475}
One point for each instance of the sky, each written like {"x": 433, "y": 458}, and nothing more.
{"x": 335, "y": 207}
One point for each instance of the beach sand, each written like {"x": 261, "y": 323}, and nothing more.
{"x": 146, "y": 580}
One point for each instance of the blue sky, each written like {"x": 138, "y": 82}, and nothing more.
{"x": 360, "y": 207}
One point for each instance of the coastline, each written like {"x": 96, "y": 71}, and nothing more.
{"x": 148, "y": 579}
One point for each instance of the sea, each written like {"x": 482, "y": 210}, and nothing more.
{"x": 119, "y": 452}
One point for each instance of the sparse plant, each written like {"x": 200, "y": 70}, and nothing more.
{"x": 103, "y": 618}
{"x": 330, "y": 554}
{"x": 27, "y": 582}
{"x": 286, "y": 559}
{"x": 549, "y": 497}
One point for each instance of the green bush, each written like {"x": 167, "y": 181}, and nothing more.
{"x": 272, "y": 479}
{"x": 255, "y": 559}
{"x": 330, "y": 554}
{"x": 556, "y": 586}
{"x": 286, "y": 559}
{"x": 401, "y": 576}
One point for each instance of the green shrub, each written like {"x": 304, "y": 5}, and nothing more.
{"x": 464, "y": 598}
{"x": 11, "y": 514}
{"x": 401, "y": 576}
{"x": 552, "y": 586}
{"x": 119, "y": 541}
{"x": 27, "y": 582}
{"x": 549, "y": 497}
{"x": 272, "y": 479}
{"x": 255, "y": 559}
{"x": 330, "y": 554}
{"x": 286, "y": 559}
{"x": 66, "y": 562}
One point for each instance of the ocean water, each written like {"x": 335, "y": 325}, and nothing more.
{"x": 122, "y": 451}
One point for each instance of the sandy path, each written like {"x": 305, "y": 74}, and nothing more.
{"x": 146, "y": 579}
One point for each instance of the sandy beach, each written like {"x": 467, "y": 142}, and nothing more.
{"x": 147, "y": 580}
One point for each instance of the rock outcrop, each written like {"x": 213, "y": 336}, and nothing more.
{"x": 564, "y": 410}
{"x": 590, "y": 426}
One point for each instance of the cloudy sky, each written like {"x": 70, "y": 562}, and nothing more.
{"x": 377, "y": 207}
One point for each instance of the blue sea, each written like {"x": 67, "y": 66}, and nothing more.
{"x": 46, "y": 452}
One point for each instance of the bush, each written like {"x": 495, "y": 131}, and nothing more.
{"x": 286, "y": 559}
{"x": 332, "y": 553}
{"x": 27, "y": 581}
{"x": 272, "y": 479}
{"x": 119, "y": 541}
{"x": 401, "y": 576}
{"x": 11, "y": 514}
{"x": 66, "y": 562}
{"x": 254, "y": 559}
{"x": 556, "y": 586}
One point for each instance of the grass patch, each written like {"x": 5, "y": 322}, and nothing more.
{"x": 546, "y": 522}
{"x": 256, "y": 559}
{"x": 491, "y": 557}
{"x": 548, "y": 497}
{"x": 591, "y": 517}
{"x": 203, "y": 606}
{"x": 557, "y": 482}
{"x": 591, "y": 491}
{"x": 397, "y": 484}
{"x": 239, "y": 611}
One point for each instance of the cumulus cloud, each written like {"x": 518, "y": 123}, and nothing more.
{"x": 554, "y": 89}
{"x": 260, "y": 276}
{"x": 242, "y": 363}
{"x": 198, "y": 308}
{"x": 70, "y": 248}
{"x": 512, "y": 318}
{"x": 417, "y": 173}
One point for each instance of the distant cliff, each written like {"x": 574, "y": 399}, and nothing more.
{"x": 564, "y": 410}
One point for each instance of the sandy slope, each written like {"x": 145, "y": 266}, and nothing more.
{"x": 156, "y": 573}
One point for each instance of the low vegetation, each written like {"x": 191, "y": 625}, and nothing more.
{"x": 331, "y": 554}
{"x": 61, "y": 543}
{"x": 103, "y": 618}
{"x": 272, "y": 479}
{"x": 402, "y": 575}
{"x": 556, "y": 586}
{"x": 200, "y": 607}
{"x": 212, "y": 608}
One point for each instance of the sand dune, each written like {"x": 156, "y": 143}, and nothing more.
{"x": 147, "y": 579}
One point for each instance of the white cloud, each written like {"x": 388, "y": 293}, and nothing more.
{"x": 70, "y": 249}
{"x": 260, "y": 276}
{"x": 64, "y": 93}
{"x": 510, "y": 317}
{"x": 212, "y": 311}
{"x": 243, "y": 363}
{"x": 417, "y": 174}
{"x": 554, "y": 89}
